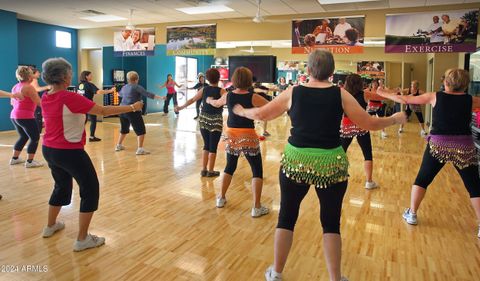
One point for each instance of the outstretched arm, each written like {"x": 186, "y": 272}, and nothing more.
{"x": 190, "y": 101}
{"x": 6, "y": 94}
{"x": 364, "y": 120}
{"x": 162, "y": 86}
{"x": 427, "y": 98}
{"x": 270, "y": 110}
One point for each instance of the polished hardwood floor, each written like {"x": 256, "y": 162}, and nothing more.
{"x": 160, "y": 222}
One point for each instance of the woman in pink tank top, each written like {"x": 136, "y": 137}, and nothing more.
{"x": 171, "y": 93}
{"x": 23, "y": 118}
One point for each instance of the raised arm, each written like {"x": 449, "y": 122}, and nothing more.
{"x": 190, "y": 101}
{"x": 270, "y": 110}
{"x": 364, "y": 120}
{"x": 427, "y": 98}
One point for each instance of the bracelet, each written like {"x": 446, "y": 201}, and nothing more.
{"x": 133, "y": 107}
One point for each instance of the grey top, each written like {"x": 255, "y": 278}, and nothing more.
{"x": 131, "y": 93}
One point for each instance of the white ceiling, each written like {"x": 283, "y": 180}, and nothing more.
{"x": 68, "y": 12}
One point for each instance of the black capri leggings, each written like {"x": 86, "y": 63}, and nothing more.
{"x": 419, "y": 115}
{"x": 365, "y": 143}
{"x": 93, "y": 123}
{"x": 27, "y": 129}
{"x": 69, "y": 164}
{"x": 197, "y": 106}
{"x": 134, "y": 118}
{"x": 431, "y": 166}
{"x": 292, "y": 194}
{"x": 254, "y": 161}
{"x": 167, "y": 101}
{"x": 210, "y": 140}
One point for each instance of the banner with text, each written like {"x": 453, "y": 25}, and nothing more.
{"x": 341, "y": 35}
{"x": 432, "y": 32}
{"x": 191, "y": 40}
{"x": 134, "y": 43}
{"x": 374, "y": 69}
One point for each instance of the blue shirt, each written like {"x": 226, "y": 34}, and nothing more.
{"x": 131, "y": 93}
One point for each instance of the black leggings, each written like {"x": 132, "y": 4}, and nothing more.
{"x": 93, "y": 123}
{"x": 69, "y": 164}
{"x": 419, "y": 115}
{"x": 254, "y": 161}
{"x": 27, "y": 129}
{"x": 136, "y": 120}
{"x": 330, "y": 198}
{"x": 365, "y": 144}
{"x": 167, "y": 101}
{"x": 39, "y": 118}
{"x": 210, "y": 140}
{"x": 197, "y": 106}
{"x": 431, "y": 166}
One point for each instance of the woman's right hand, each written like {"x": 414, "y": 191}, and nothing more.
{"x": 138, "y": 106}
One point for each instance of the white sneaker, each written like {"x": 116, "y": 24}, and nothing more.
{"x": 142, "y": 151}
{"x": 383, "y": 135}
{"x": 478, "y": 235}
{"x": 33, "y": 164}
{"x": 16, "y": 161}
{"x": 371, "y": 185}
{"x": 410, "y": 217}
{"x": 48, "y": 231}
{"x": 91, "y": 241}
{"x": 423, "y": 133}
{"x": 119, "y": 147}
{"x": 258, "y": 212}
{"x": 400, "y": 130}
{"x": 221, "y": 202}
{"x": 272, "y": 275}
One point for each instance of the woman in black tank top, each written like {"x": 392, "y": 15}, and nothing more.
{"x": 314, "y": 156}
{"x": 450, "y": 139}
{"x": 210, "y": 121}
{"x": 241, "y": 138}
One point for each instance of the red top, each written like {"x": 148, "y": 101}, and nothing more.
{"x": 22, "y": 109}
{"x": 171, "y": 88}
{"x": 64, "y": 115}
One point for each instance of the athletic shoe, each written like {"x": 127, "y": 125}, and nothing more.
{"x": 203, "y": 173}
{"x": 410, "y": 217}
{"x": 400, "y": 131}
{"x": 195, "y": 118}
{"x": 383, "y": 135}
{"x": 142, "y": 151}
{"x": 2, "y": 197}
{"x": 423, "y": 133}
{"x": 94, "y": 139}
{"x": 266, "y": 134}
{"x": 213, "y": 174}
{"x": 16, "y": 161}
{"x": 261, "y": 138}
{"x": 119, "y": 147}
{"x": 33, "y": 164}
{"x": 165, "y": 114}
{"x": 371, "y": 185}
{"x": 48, "y": 231}
{"x": 91, "y": 241}
{"x": 221, "y": 202}
{"x": 272, "y": 275}
{"x": 343, "y": 278}
{"x": 258, "y": 212}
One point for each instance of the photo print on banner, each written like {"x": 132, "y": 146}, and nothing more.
{"x": 432, "y": 32}
{"x": 340, "y": 35}
{"x": 374, "y": 69}
{"x": 134, "y": 43}
{"x": 192, "y": 40}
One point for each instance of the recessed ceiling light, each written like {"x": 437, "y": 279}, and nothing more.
{"x": 205, "y": 9}
{"x": 328, "y": 2}
{"x": 103, "y": 18}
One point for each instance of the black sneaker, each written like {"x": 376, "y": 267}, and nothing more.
{"x": 203, "y": 173}
{"x": 195, "y": 118}
{"x": 213, "y": 174}
{"x": 94, "y": 139}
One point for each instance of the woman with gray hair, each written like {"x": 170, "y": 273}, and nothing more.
{"x": 63, "y": 148}
{"x": 131, "y": 93}
{"x": 314, "y": 156}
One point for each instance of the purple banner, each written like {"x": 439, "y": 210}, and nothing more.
{"x": 430, "y": 48}
{"x": 432, "y": 32}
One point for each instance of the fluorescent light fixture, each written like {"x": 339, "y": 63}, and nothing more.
{"x": 103, "y": 18}
{"x": 210, "y": 9}
{"x": 329, "y": 2}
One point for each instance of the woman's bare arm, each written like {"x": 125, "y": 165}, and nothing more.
{"x": 269, "y": 111}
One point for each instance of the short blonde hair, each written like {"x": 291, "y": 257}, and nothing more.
{"x": 242, "y": 78}
{"x": 457, "y": 79}
{"x": 23, "y": 73}
{"x": 132, "y": 76}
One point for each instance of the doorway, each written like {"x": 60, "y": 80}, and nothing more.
{"x": 186, "y": 75}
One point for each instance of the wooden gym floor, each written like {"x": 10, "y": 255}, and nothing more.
{"x": 160, "y": 222}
